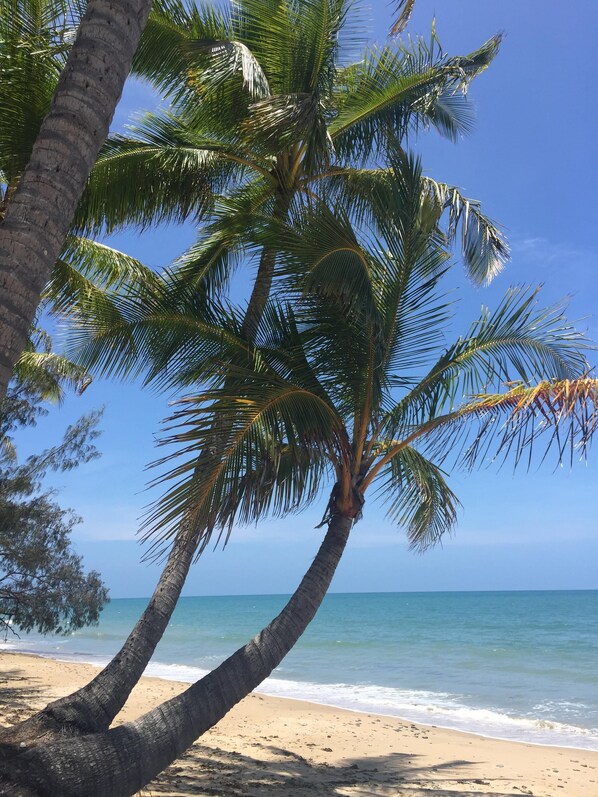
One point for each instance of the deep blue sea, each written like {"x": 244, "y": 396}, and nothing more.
{"x": 516, "y": 665}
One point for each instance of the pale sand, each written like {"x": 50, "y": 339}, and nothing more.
{"x": 270, "y": 746}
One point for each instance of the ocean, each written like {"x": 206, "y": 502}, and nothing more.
{"x": 511, "y": 665}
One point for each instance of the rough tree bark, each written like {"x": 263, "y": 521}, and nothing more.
{"x": 92, "y": 708}
{"x": 121, "y": 761}
{"x": 42, "y": 208}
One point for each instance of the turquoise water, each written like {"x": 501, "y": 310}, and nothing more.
{"x": 518, "y": 665}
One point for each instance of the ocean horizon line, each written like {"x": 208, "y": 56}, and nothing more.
{"x": 373, "y": 592}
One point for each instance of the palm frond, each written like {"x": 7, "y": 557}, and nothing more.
{"x": 371, "y": 196}
{"x": 483, "y": 244}
{"x": 283, "y": 120}
{"x": 404, "y": 11}
{"x": 515, "y": 343}
{"x": 324, "y": 255}
{"x": 240, "y": 226}
{"x": 44, "y": 372}
{"x": 165, "y": 171}
{"x": 403, "y": 86}
{"x": 167, "y": 337}
{"x": 49, "y": 374}
{"x": 34, "y": 43}
{"x": 418, "y": 498}
{"x": 296, "y": 43}
{"x": 166, "y": 56}
{"x": 266, "y": 454}
{"x": 225, "y": 60}
{"x": 85, "y": 267}
{"x": 563, "y": 414}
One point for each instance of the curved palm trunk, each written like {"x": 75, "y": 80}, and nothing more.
{"x": 121, "y": 761}
{"x": 41, "y": 210}
{"x": 92, "y": 708}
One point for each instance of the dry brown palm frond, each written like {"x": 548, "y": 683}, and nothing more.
{"x": 565, "y": 410}
{"x": 405, "y": 9}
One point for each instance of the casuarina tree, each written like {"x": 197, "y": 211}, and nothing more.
{"x": 42, "y": 582}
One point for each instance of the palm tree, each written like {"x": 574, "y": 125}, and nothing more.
{"x": 40, "y": 374}
{"x": 267, "y": 115}
{"x": 35, "y": 40}
{"x": 350, "y": 389}
{"x": 43, "y": 201}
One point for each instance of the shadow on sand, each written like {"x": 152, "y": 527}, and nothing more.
{"x": 17, "y": 695}
{"x": 273, "y": 771}
{"x": 212, "y": 772}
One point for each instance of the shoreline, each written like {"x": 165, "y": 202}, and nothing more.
{"x": 275, "y": 745}
{"x": 538, "y": 726}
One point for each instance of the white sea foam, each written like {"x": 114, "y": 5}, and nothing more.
{"x": 522, "y": 690}
{"x": 427, "y": 708}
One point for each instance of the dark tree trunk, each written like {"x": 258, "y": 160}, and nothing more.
{"x": 40, "y": 212}
{"x": 93, "y": 707}
{"x": 121, "y": 761}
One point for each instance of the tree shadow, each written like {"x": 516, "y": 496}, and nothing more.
{"x": 274, "y": 771}
{"x": 17, "y": 695}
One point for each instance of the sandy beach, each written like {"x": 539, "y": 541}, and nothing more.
{"x": 271, "y": 746}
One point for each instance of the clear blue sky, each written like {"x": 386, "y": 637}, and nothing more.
{"x": 532, "y": 161}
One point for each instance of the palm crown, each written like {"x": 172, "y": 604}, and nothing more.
{"x": 348, "y": 381}
{"x": 273, "y": 106}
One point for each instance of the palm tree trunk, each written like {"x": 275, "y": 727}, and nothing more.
{"x": 41, "y": 210}
{"x": 92, "y": 708}
{"x": 121, "y": 761}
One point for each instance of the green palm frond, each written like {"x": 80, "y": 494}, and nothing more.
{"x": 267, "y": 453}
{"x": 415, "y": 260}
{"x": 297, "y": 42}
{"x": 323, "y": 255}
{"x": 45, "y": 373}
{"x": 50, "y": 374}
{"x": 418, "y": 498}
{"x": 87, "y": 267}
{"x": 372, "y": 198}
{"x": 287, "y": 346}
{"x": 284, "y": 120}
{"x": 399, "y": 86}
{"x": 238, "y": 229}
{"x": 35, "y": 36}
{"x": 515, "y": 343}
{"x": 162, "y": 327}
{"x": 162, "y": 330}
{"x": 166, "y": 56}
{"x": 166, "y": 172}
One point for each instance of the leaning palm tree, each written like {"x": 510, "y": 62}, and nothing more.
{"x": 341, "y": 392}
{"x": 268, "y": 114}
{"x": 36, "y": 37}
{"x": 63, "y": 147}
